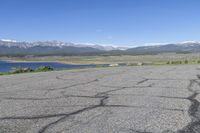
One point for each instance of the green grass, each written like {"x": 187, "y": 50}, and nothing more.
{"x": 42, "y": 69}
{"x": 4, "y": 73}
{"x": 27, "y": 70}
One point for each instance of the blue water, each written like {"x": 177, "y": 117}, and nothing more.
{"x": 6, "y": 66}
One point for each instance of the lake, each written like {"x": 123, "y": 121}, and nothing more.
{"x": 6, "y": 66}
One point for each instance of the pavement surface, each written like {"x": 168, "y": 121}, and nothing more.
{"x": 145, "y": 99}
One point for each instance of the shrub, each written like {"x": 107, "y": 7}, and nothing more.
{"x": 44, "y": 69}
{"x": 186, "y": 61}
{"x": 176, "y": 62}
{"x": 22, "y": 70}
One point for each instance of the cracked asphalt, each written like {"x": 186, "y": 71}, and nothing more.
{"x": 144, "y": 99}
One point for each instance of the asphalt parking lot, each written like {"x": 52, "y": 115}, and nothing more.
{"x": 143, "y": 99}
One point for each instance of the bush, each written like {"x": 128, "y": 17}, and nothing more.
{"x": 44, "y": 69}
{"x": 186, "y": 61}
{"x": 176, "y": 62}
{"x": 27, "y": 69}
{"x": 22, "y": 70}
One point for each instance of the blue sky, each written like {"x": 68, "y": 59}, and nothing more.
{"x": 116, "y": 22}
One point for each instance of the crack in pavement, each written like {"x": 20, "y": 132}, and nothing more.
{"x": 84, "y": 96}
{"x": 137, "y": 131}
{"x": 40, "y": 99}
{"x": 74, "y": 85}
{"x": 43, "y": 129}
{"x": 101, "y": 104}
{"x": 63, "y": 79}
{"x": 143, "y": 107}
{"x": 127, "y": 87}
{"x": 140, "y": 82}
{"x": 173, "y": 97}
{"x": 193, "y": 110}
{"x": 32, "y": 99}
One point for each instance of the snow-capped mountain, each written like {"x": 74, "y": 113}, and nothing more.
{"x": 8, "y": 47}
{"x": 8, "y": 40}
{"x": 10, "y": 43}
{"x": 100, "y": 47}
{"x": 189, "y": 43}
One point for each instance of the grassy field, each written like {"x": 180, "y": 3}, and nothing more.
{"x": 126, "y": 59}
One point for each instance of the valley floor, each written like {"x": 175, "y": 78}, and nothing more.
{"x": 192, "y": 58}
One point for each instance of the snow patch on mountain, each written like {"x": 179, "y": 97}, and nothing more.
{"x": 8, "y": 40}
{"x": 58, "y": 44}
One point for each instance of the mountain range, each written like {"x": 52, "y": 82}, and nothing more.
{"x": 184, "y": 47}
{"x": 12, "y": 47}
{"x": 15, "y": 48}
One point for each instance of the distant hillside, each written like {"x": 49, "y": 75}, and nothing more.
{"x": 186, "y": 47}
